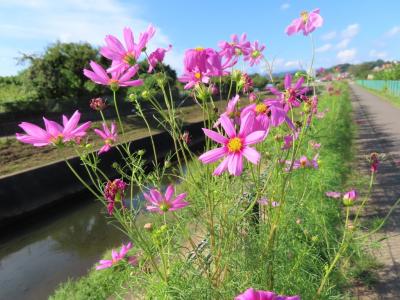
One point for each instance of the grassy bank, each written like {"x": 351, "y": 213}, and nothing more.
{"x": 306, "y": 239}
{"x": 395, "y": 100}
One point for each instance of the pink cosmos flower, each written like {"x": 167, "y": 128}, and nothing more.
{"x": 231, "y": 111}
{"x": 109, "y": 136}
{"x": 200, "y": 64}
{"x": 117, "y": 79}
{"x": 164, "y": 203}
{"x": 235, "y": 146}
{"x": 304, "y": 162}
{"x": 268, "y": 111}
{"x": 291, "y": 95}
{"x": 54, "y": 134}
{"x": 114, "y": 192}
{"x": 235, "y": 48}
{"x": 288, "y": 140}
{"x": 334, "y": 195}
{"x": 117, "y": 256}
{"x": 252, "y": 294}
{"x": 157, "y": 56}
{"x": 255, "y": 55}
{"x": 307, "y": 23}
{"x": 252, "y": 97}
{"x": 315, "y": 145}
{"x": 265, "y": 201}
{"x": 350, "y": 197}
{"x": 374, "y": 161}
{"x": 126, "y": 57}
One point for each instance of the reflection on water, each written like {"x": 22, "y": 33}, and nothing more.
{"x": 39, "y": 256}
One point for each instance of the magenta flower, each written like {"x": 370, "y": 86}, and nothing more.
{"x": 114, "y": 192}
{"x": 350, "y": 197}
{"x": 304, "y": 163}
{"x": 252, "y": 97}
{"x": 235, "y": 146}
{"x": 247, "y": 83}
{"x": 252, "y": 294}
{"x": 266, "y": 112}
{"x": 235, "y": 48}
{"x": 334, "y": 195}
{"x": 164, "y": 203}
{"x": 374, "y": 161}
{"x": 54, "y": 134}
{"x": 98, "y": 104}
{"x": 231, "y": 111}
{"x": 291, "y": 95}
{"x": 157, "y": 56}
{"x": 193, "y": 78}
{"x": 255, "y": 54}
{"x": 126, "y": 57}
{"x": 117, "y": 79}
{"x": 200, "y": 64}
{"x": 307, "y": 23}
{"x": 288, "y": 140}
{"x": 109, "y": 136}
{"x": 315, "y": 145}
{"x": 117, "y": 256}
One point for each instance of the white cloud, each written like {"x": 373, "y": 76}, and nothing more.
{"x": 347, "y": 55}
{"x": 351, "y": 31}
{"x": 393, "y": 31}
{"x": 292, "y": 64}
{"x": 378, "y": 54}
{"x": 285, "y": 6}
{"x": 329, "y": 36}
{"x": 74, "y": 21}
{"x": 324, "y": 48}
{"x": 343, "y": 44}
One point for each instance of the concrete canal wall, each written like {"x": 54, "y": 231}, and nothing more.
{"x": 26, "y": 192}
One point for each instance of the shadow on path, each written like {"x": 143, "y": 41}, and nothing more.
{"x": 379, "y": 131}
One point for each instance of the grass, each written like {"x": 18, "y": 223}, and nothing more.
{"x": 395, "y": 100}
{"x": 307, "y": 236}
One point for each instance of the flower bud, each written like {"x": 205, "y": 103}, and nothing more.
{"x": 167, "y": 164}
{"x": 148, "y": 226}
{"x": 141, "y": 152}
{"x": 349, "y": 198}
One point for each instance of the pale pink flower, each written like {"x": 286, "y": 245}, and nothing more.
{"x": 307, "y": 23}
{"x": 231, "y": 111}
{"x": 350, "y": 197}
{"x": 117, "y": 257}
{"x": 235, "y": 146}
{"x": 252, "y": 294}
{"x": 291, "y": 96}
{"x": 109, "y": 136}
{"x": 236, "y": 47}
{"x": 157, "y": 56}
{"x": 255, "y": 54}
{"x": 315, "y": 145}
{"x": 304, "y": 162}
{"x": 164, "y": 203}
{"x": 252, "y": 97}
{"x": 117, "y": 79}
{"x": 54, "y": 134}
{"x": 128, "y": 56}
{"x": 334, "y": 195}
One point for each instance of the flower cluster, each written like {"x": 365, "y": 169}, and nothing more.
{"x": 114, "y": 192}
{"x": 252, "y": 294}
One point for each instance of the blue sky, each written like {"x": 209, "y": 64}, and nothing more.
{"x": 354, "y": 31}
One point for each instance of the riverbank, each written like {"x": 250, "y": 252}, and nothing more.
{"x": 309, "y": 239}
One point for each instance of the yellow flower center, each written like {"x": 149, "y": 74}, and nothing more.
{"x": 198, "y": 49}
{"x": 261, "y": 108}
{"x": 304, "y": 16}
{"x": 235, "y": 144}
{"x": 197, "y": 75}
{"x": 165, "y": 206}
{"x": 130, "y": 59}
{"x": 255, "y": 54}
{"x": 108, "y": 141}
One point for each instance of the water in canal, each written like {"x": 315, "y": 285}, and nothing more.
{"x": 47, "y": 249}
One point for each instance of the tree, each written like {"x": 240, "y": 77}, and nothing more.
{"x": 56, "y": 77}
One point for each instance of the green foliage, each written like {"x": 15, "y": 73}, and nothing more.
{"x": 259, "y": 81}
{"x": 392, "y": 73}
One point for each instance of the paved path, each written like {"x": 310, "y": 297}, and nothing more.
{"x": 379, "y": 131}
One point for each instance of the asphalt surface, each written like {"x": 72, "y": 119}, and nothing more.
{"x": 379, "y": 131}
